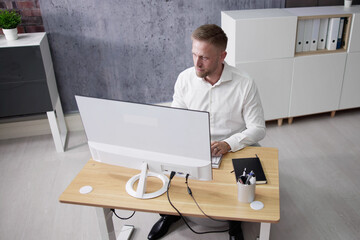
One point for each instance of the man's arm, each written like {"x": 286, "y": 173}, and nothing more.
{"x": 253, "y": 115}
{"x": 178, "y": 98}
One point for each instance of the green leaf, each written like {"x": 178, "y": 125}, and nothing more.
{"x": 9, "y": 19}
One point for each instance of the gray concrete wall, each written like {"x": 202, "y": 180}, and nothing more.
{"x": 127, "y": 49}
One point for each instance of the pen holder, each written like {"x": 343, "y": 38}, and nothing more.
{"x": 246, "y": 193}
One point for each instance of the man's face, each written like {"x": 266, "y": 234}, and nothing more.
{"x": 207, "y": 58}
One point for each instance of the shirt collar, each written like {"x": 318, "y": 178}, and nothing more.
{"x": 226, "y": 75}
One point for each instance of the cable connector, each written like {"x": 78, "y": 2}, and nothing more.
{"x": 186, "y": 178}
{"x": 188, "y": 188}
{"x": 189, "y": 191}
{"x": 172, "y": 174}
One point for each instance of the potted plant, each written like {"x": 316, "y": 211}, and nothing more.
{"x": 9, "y": 20}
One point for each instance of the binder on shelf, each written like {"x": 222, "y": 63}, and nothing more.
{"x": 300, "y": 35}
{"x": 332, "y": 35}
{"x": 340, "y": 33}
{"x": 307, "y": 35}
{"x": 324, "y": 22}
{"x": 314, "y": 34}
{"x": 345, "y": 32}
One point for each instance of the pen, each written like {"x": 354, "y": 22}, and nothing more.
{"x": 252, "y": 180}
{"x": 248, "y": 177}
{"x": 244, "y": 172}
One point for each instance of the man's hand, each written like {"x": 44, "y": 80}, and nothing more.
{"x": 219, "y": 148}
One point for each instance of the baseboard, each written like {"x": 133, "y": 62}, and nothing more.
{"x": 34, "y": 126}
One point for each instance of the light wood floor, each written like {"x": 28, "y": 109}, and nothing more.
{"x": 319, "y": 185}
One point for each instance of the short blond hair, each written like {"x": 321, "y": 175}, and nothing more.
{"x": 212, "y": 34}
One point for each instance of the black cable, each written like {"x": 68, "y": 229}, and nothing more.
{"x": 182, "y": 217}
{"x": 190, "y": 193}
{"x": 113, "y": 210}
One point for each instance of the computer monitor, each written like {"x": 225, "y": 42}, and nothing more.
{"x": 154, "y": 139}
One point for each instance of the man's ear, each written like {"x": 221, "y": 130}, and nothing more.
{"x": 223, "y": 56}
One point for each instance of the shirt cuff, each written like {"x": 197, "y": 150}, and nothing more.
{"x": 234, "y": 144}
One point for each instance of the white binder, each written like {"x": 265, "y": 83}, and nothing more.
{"x": 307, "y": 35}
{"x": 324, "y": 22}
{"x": 314, "y": 34}
{"x": 300, "y": 35}
{"x": 332, "y": 35}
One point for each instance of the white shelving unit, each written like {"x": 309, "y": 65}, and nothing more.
{"x": 28, "y": 84}
{"x": 264, "y": 39}
{"x": 262, "y": 42}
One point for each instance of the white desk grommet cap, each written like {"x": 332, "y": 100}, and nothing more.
{"x": 256, "y": 205}
{"x": 86, "y": 189}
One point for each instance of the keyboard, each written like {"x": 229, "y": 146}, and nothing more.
{"x": 215, "y": 161}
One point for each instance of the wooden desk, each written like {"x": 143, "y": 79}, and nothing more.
{"x": 217, "y": 198}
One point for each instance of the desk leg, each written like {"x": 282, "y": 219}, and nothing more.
{"x": 58, "y": 126}
{"x": 265, "y": 231}
{"x": 106, "y": 225}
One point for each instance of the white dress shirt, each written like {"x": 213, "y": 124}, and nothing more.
{"x": 236, "y": 114}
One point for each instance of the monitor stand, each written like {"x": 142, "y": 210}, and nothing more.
{"x": 141, "y": 188}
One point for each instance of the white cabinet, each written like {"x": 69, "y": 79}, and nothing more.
{"x": 262, "y": 43}
{"x": 259, "y": 35}
{"x": 350, "y": 97}
{"x": 274, "y": 84}
{"x": 316, "y": 85}
{"x": 28, "y": 84}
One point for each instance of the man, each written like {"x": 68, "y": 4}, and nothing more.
{"x": 229, "y": 95}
